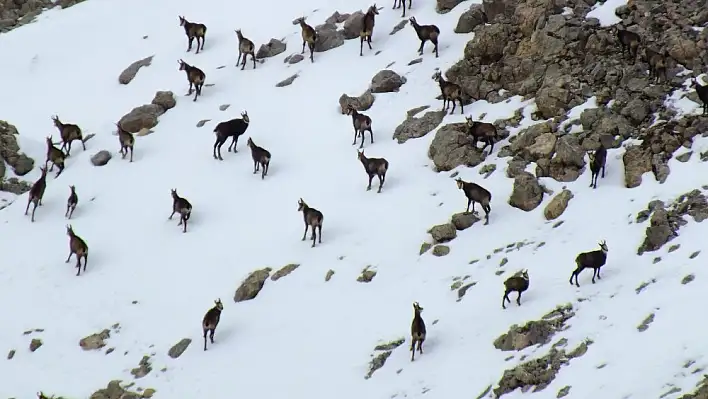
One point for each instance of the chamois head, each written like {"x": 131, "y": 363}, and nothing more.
{"x": 416, "y": 307}
{"x": 43, "y": 169}
{"x": 69, "y": 230}
{"x": 360, "y": 155}
{"x": 174, "y": 193}
{"x": 244, "y": 116}
{"x": 72, "y": 188}
{"x": 373, "y": 9}
{"x": 50, "y": 141}
{"x": 437, "y": 76}
{"x": 301, "y": 205}
{"x": 219, "y": 305}
{"x": 182, "y": 21}
{"x": 182, "y": 65}
{"x": 460, "y": 183}
{"x": 56, "y": 121}
{"x": 591, "y": 156}
{"x": 525, "y": 274}
{"x": 413, "y": 21}
{"x": 603, "y": 246}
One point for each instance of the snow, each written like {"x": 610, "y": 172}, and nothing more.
{"x": 605, "y": 12}
{"x": 302, "y": 336}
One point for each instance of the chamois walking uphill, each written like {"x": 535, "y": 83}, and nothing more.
{"x": 362, "y": 124}
{"x": 195, "y": 76}
{"x": 69, "y": 132}
{"x": 183, "y": 207}
{"x": 71, "y": 203}
{"x": 517, "y": 283}
{"x": 476, "y": 193}
{"x": 702, "y": 91}
{"x": 211, "y": 320}
{"x": 37, "y": 191}
{"x": 309, "y": 37}
{"x": 367, "y": 28}
{"x": 593, "y": 260}
{"x": 245, "y": 48}
{"x": 374, "y": 167}
{"x": 127, "y": 141}
{"x": 194, "y": 31}
{"x": 425, "y": 33}
{"x": 628, "y": 40}
{"x": 78, "y": 247}
{"x": 451, "y": 92}
{"x": 484, "y": 131}
{"x": 55, "y": 156}
{"x": 402, "y": 3}
{"x": 233, "y": 128}
{"x": 417, "y": 331}
{"x": 657, "y": 64}
{"x": 261, "y": 158}
{"x": 597, "y": 163}
{"x": 313, "y": 218}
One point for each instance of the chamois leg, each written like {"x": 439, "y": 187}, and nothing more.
{"x": 172, "y": 214}
{"x": 319, "y": 227}
{"x": 381, "y": 182}
{"x": 303, "y": 47}
{"x": 371, "y": 136}
{"x": 243, "y": 64}
{"x": 131, "y": 154}
{"x": 34, "y": 209}
{"x": 68, "y": 257}
{"x": 420, "y": 346}
{"x": 61, "y": 169}
{"x": 253, "y": 57}
{"x": 211, "y": 334}
{"x": 78, "y": 265}
{"x": 312, "y": 51}
{"x": 205, "y": 338}
{"x": 66, "y": 214}
{"x": 361, "y": 46}
{"x": 234, "y": 142}
{"x": 422, "y": 43}
{"x": 603, "y": 171}
{"x": 68, "y": 148}
{"x": 505, "y": 298}
{"x": 356, "y": 134}
{"x": 368, "y": 41}
{"x": 453, "y": 105}
{"x": 305, "y": 233}
{"x": 191, "y": 39}
{"x": 83, "y": 144}
{"x": 469, "y": 201}
{"x": 51, "y": 168}
{"x": 238, "y": 60}
{"x": 435, "y": 50}
{"x": 363, "y": 138}
{"x": 413, "y": 350}
{"x": 487, "y": 210}
{"x": 217, "y": 145}
{"x": 184, "y": 224}
{"x": 462, "y": 106}
{"x": 595, "y": 273}
{"x": 190, "y": 88}
{"x": 371, "y": 177}
{"x": 85, "y": 261}
{"x": 518, "y": 299}
{"x": 255, "y": 167}
{"x": 265, "y": 169}
{"x": 197, "y": 91}
{"x": 29, "y": 201}
{"x": 575, "y": 274}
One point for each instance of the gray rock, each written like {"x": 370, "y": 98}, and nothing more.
{"x": 294, "y": 58}
{"x": 440, "y": 250}
{"x": 337, "y": 18}
{"x": 95, "y": 341}
{"x": 178, "y": 349}
{"x": 352, "y": 26}
{"x": 558, "y": 205}
{"x": 284, "y": 271}
{"x": 101, "y": 158}
{"x": 366, "y": 275}
{"x": 535, "y": 332}
{"x": 527, "y": 193}
{"x": 129, "y": 73}
{"x": 443, "y": 232}
{"x": 463, "y": 220}
{"x": 444, "y": 6}
{"x": 361, "y": 103}
{"x": 471, "y": 19}
{"x": 165, "y": 99}
{"x": 488, "y": 42}
{"x": 413, "y": 128}
{"x": 271, "y": 49}
{"x": 659, "y": 232}
{"x": 386, "y": 81}
{"x": 15, "y": 186}
{"x": 142, "y": 117}
{"x": 398, "y": 27}
{"x": 10, "y": 150}
{"x": 287, "y": 82}
{"x": 328, "y": 38}
{"x": 224, "y": 107}
{"x": 252, "y": 285}
{"x": 452, "y": 147}
{"x": 636, "y": 161}
{"x": 202, "y": 122}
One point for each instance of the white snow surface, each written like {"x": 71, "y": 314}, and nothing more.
{"x": 302, "y": 337}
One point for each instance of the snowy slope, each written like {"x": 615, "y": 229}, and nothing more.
{"x": 302, "y": 336}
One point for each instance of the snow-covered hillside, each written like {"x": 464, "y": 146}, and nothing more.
{"x": 303, "y": 336}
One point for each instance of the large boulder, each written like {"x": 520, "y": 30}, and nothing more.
{"x": 558, "y": 205}
{"x": 352, "y": 25}
{"x": 452, "y": 147}
{"x": 20, "y": 163}
{"x": 361, "y": 103}
{"x": 252, "y": 285}
{"x": 488, "y": 43}
{"x": 413, "y": 128}
{"x": 271, "y": 49}
{"x": 386, "y": 81}
{"x": 471, "y": 19}
{"x": 165, "y": 99}
{"x": 637, "y": 161}
{"x": 142, "y": 117}
{"x": 445, "y": 6}
{"x": 527, "y": 193}
{"x": 328, "y": 37}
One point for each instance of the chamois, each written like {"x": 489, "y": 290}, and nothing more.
{"x": 77, "y": 246}
{"x": 362, "y": 124}
{"x": 451, "y": 92}
{"x": 374, "y": 167}
{"x": 425, "y": 33}
{"x": 309, "y": 37}
{"x": 367, "y": 28}
{"x": 69, "y": 132}
{"x": 597, "y": 162}
{"x": 594, "y": 260}
{"x": 232, "y": 128}
{"x": 71, "y": 202}
{"x": 55, "y": 156}
{"x": 194, "y": 30}
{"x": 37, "y": 191}
{"x": 245, "y": 48}
{"x": 41, "y": 395}
{"x": 211, "y": 320}
{"x": 657, "y": 63}
{"x": 127, "y": 141}
{"x": 403, "y": 3}
{"x": 417, "y": 330}
{"x": 313, "y": 218}
{"x": 518, "y": 284}
{"x": 195, "y": 76}
{"x": 702, "y": 91}
{"x": 629, "y": 41}
{"x": 183, "y": 207}
{"x": 261, "y": 158}
{"x": 476, "y": 193}
{"x": 484, "y": 131}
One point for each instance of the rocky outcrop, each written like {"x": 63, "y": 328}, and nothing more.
{"x": 145, "y": 116}
{"x": 558, "y": 205}
{"x": 284, "y": 271}
{"x": 535, "y": 332}
{"x": 527, "y": 193}
{"x": 443, "y": 232}
{"x": 20, "y": 163}
{"x": 131, "y": 71}
{"x": 95, "y": 341}
{"x": 165, "y": 100}
{"x": 445, "y": 6}
{"x": 14, "y": 14}
{"x": 352, "y": 25}
{"x": 328, "y": 37}
{"x": 665, "y": 222}
{"x": 386, "y": 81}
{"x": 361, "y": 103}
{"x": 271, "y": 49}
{"x": 452, "y": 147}
{"x": 413, "y": 128}
{"x": 252, "y": 285}
{"x": 115, "y": 391}
{"x": 471, "y": 19}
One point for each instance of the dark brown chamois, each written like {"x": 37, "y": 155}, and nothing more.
{"x": 261, "y": 158}
{"x": 55, "y": 156}
{"x": 367, "y": 28}
{"x": 593, "y": 260}
{"x": 309, "y": 37}
{"x": 629, "y": 41}
{"x": 127, "y": 142}
{"x": 702, "y": 91}
{"x": 78, "y": 247}
{"x": 402, "y": 3}
{"x": 451, "y": 92}
{"x": 37, "y": 191}
{"x": 71, "y": 202}
{"x": 195, "y": 76}
{"x": 245, "y": 48}
{"x": 211, "y": 320}
{"x": 183, "y": 207}
{"x": 374, "y": 167}
{"x": 425, "y": 33}
{"x": 484, "y": 131}
{"x": 597, "y": 163}
{"x": 69, "y": 132}
{"x": 417, "y": 331}
{"x": 41, "y": 395}
{"x": 233, "y": 128}
{"x": 476, "y": 193}
{"x": 657, "y": 64}
{"x": 194, "y": 30}
{"x": 313, "y": 218}
{"x": 519, "y": 283}
{"x": 362, "y": 124}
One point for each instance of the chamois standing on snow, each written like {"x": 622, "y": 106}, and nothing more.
{"x": 629, "y": 41}
{"x": 71, "y": 202}
{"x": 309, "y": 37}
{"x": 78, "y": 247}
{"x": 69, "y": 132}
{"x": 594, "y": 260}
{"x": 55, "y": 156}
{"x": 597, "y": 162}
{"x": 425, "y": 33}
{"x": 37, "y": 191}
{"x": 374, "y": 167}
{"x": 367, "y": 28}
{"x": 195, "y": 76}
{"x": 211, "y": 320}
{"x": 127, "y": 142}
{"x": 451, "y": 92}
{"x": 194, "y": 30}
{"x": 245, "y": 48}
{"x": 313, "y": 218}
{"x": 261, "y": 158}
{"x": 476, "y": 193}
{"x": 417, "y": 331}
{"x": 233, "y": 128}
{"x": 183, "y": 207}
{"x": 484, "y": 131}
{"x": 657, "y": 63}
{"x": 403, "y": 3}
{"x": 518, "y": 284}
{"x": 702, "y": 91}
{"x": 362, "y": 124}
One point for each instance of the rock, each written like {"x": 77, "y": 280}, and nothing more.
{"x": 284, "y": 271}
{"x": 558, "y": 204}
{"x": 398, "y": 27}
{"x": 568, "y": 161}
{"x": 20, "y": 163}
{"x": 684, "y": 157}
{"x": 115, "y": 391}
{"x": 361, "y": 103}
{"x": 415, "y": 111}
{"x": 352, "y": 26}
{"x": 178, "y": 349}
{"x": 252, "y": 285}
{"x": 451, "y": 148}
{"x": 329, "y": 275}
{"x": 337, "y": 18}
{"x": 487, "y": 170}
{"x": 526, "y": 137}
{"x": 294, "y": 58}
{"x": 488, "y": 43}
{"x": 287, "y": 82}
{"x": 658, "y": 233}
{"x": 552, "y": 99}
{"x": 463, "y": 220}
{"x": 424, "y": 247}
{"x": 366, "y": 275}
{"x": 271, "y": 49}
{"x": 636, "y": 162}
{"x": 636, "y": 110}
{"x": 527, "y": 193}
{"x": 441, "y": 250}
{"x": 386, "y": 81}
{"x": 328, "y": 38}
{"x": 224, "y": 107}
{"x": 142, "y": 117}
{"x": 542, "y": 147}
{"x": 413, "y": 128}
{"x": 535, "y": 332}
{"x": 15, "y": 186}
{"x": 493, "y": 8}
{"x": 377, "y": 362}
{"x": 144, "y": 368}
{"x": 444, "y": 6}
{"x": 35, "y": 344}
{"x": 471, "y": 19}
{"x": 202, "y": 122}
{"x": 443, "y": 232}
{"x": 129, "y": 73}
{"x": 95, "y": 341}
{"x": 165, "y": 99}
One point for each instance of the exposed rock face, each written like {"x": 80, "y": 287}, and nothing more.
{"x": 328, "y": 37}
{"x": 165, "y": 99}
{"x": 252, "y": 285}
{"x": 271, "y": 49}
{"x": 666, "y": 222}
{"x": 352, "y": 26}
{"x": 115, "y": 391}
{"x": 142, "y": 117}
{"x": 10, "y": 151}
{"x": 535, "y": 332}
{"x": 386, "y": 81}
{"x": 14, "y": 14}
{"x": 95, "y": 341}
{"x": 361, "y": 103}
{"x": 558, "y": 204}
{"x": 284, "y": 271}
{"x": 413, "y": 128}
{"x": 444, "y": 6}
{"x": 471, "y": 19}
{"x": 527, "y": 193}
{"x": 129, "y": 73}
{"x": 452, "y": 147}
